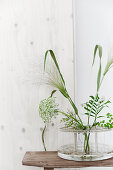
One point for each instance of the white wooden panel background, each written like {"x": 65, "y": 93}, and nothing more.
{"x": 94, "y": 25}
{"x": 27, "y": 29}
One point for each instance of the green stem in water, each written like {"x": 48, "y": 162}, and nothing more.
{"x": 86, "y": 143}
{"x": 43, "y": 132}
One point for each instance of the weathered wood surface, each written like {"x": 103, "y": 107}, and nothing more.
{"x": 50, "y": 159}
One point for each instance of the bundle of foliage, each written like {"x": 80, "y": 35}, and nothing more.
{"x": 93, "y": 108}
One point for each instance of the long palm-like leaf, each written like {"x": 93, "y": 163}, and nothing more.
{"x": 55, "y": 61}
{"x": 56, "y": 79}
{"x": 62, "y": 87}
{"x": 98, "y": 47}
{"x": 99, "y": 77}
{"x": 108, "y": 66}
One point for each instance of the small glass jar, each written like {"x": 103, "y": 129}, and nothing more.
{"x": 85, "y": 145}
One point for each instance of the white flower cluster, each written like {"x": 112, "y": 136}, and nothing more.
{"x": 48, "y": 109}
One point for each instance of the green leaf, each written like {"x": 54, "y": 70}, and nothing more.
{"x": 100, "y": 116}
{"x": 100, "y": 109}
{"x": 55, "y": 61}
{"x": 92, "y": 97}
{"x": 93, "y": 103}
{"x": 97, "y": 47}
{"x": 89, "y": 114}
{"x": 97, "y": 98}
{"x": 108, "y": 66}
{"x": 105, "y": 125}
{"x": 91, "y": 107}
{"x": 108, "y": 114}
{"x": 103, "y": 121}
{"x": 107, "y": 102}
{"x": 89, "y": 110}
{"x": 53, "y": 92}
{"x": 111, "y": 126}
{"x": 64, "y": 92}
{"x": 99, "y": 77}
{"x": 70, "y": 116}
{"x": 98, "y": 123}
{"x": 88, "y": 105}
{"x": 101, "y": 101}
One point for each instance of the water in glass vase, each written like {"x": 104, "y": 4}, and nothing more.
{"x": 88, "y": 145}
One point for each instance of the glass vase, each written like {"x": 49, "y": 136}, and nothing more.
{"x": 85, "y": 145}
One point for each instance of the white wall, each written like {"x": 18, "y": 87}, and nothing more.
{"x": 27, "y": 29}
{"x": 94, "y": 25}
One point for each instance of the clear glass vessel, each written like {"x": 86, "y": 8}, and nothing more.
{"x": 85, "y": 145}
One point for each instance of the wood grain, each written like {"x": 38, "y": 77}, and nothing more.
{"x": 27, "y": 29}
{"x": 50, "y": 159}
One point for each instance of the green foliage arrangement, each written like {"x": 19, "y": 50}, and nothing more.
{"x": 48, "y": 109}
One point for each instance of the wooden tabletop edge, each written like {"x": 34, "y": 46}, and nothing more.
{"x": 32, "y": 158}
